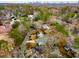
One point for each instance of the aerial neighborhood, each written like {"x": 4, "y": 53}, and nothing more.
{"x": 29, "y": 31}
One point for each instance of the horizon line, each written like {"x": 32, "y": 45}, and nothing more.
{"x": 39, "y": 1}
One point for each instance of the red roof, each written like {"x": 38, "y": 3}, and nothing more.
{"x": 5, "y": 29}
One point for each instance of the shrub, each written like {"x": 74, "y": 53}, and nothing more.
{"x": 43, "y": 15}
{"x": 26, "y": 24}
{"x": 15, "y": 25}
{"x": 60, "y": 28}
{"x": 76, "y": 43}
{"x": 69, "y": 15}
{"x": 2, "y": 7}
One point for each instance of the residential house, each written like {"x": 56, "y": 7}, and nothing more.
{"x": 5, "y": 28}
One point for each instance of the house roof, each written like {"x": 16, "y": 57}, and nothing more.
{"x": 4, "y": 29}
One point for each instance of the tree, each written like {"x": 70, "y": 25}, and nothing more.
{"x": 18, "y": 37}
{"x": 60, "y": 28}
{"x": 3, "y": 44}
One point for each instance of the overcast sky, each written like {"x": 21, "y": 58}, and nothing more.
{"x": 25, "y": 1}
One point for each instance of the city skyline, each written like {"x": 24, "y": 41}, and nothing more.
{"x": 42, "y": 1}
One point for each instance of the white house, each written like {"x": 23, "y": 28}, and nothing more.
{"x": 40, "y": 34}
{"x": 45, "y": 26}
{"x": 32, "y": 16}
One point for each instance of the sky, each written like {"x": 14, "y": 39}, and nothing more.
{"x": 26, "y": 1}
